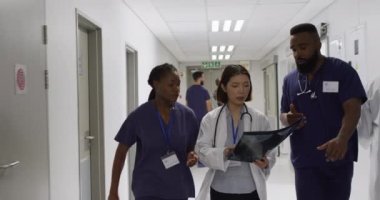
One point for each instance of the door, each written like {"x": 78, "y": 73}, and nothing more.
{"x": 24, "y": 156}
{"x": 210, "y": 75}
{"x": 271, "y": 96}
{"x": 132, "y": 103}
{"x": 84, "y": 117}
{"x": 90, "y": 106}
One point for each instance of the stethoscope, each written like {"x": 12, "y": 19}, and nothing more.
{"x": 305, "y": 90}
{"x": 241, "y": 117}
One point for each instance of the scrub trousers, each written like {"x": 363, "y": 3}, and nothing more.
{"x": 155, "y": 198}
{"x": 215, "y": 195}
{"x": 324, "y": 183}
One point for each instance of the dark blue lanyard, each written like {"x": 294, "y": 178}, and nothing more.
{"x": 166, "y": 131}
{"x": 234, "y": 131}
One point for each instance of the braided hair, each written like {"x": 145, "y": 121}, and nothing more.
{"x": 156, "y": 74}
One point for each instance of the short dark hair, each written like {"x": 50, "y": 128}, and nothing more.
{"x": 228, "y": 72}
{"x": 197, "y": 75}
{"x": 305, "y": 27}
{"x": 156, "y": 74}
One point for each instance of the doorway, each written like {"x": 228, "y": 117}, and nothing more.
{"x": 271, "y": 95}
{"x": 132, "y": 103}
{"x": 90, "y": 110}
{"x": 210, "y": 76}
{"x": 24, "y": 131}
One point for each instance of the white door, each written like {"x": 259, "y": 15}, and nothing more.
{"x": 90, "y": 107}
{"x": 132, "y": 103}
{"x": 24, "y": 156}
{"x": 271, "y": 96}
{"x": 84, "y": 120}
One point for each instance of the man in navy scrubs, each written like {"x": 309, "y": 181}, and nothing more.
{"x": 327, "y": 93}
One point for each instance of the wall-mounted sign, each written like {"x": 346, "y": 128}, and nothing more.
{"x": 211, "y": 64}
{"x": 20, "y": 79}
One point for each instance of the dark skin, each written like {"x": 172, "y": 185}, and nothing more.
{"x": 167, "y": 92}
{"x": 303, "y": 46}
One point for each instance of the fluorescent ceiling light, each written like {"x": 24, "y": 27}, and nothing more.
{"x": 220, "y": 57}
{"x": 214, "y": 48}
{"x": 222, "y": 48}
{"x": 227, "y": 25}
{"x": 230, "y": 48}
{"x": 227, "y": 57}
{"x": 213, "y": 57}
{"x": 239, "y": 25}
{"x": 215, "y": 26}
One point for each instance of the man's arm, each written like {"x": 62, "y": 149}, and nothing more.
{"x": 352, "y": 109}
{"x": 336, "y": 148}
{"x": 208, "y": 105}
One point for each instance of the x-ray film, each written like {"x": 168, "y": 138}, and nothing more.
{"x": 254, "y": 145}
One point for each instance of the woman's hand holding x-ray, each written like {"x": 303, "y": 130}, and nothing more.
{"x": 262, "y": 163}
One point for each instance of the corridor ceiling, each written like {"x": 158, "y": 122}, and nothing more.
{"x": 184, "y": 26}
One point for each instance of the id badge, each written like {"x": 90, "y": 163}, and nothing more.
{"x": 330, "y": 86}
{"x": 170, "y": 159}
{"x": 234, "y": 163}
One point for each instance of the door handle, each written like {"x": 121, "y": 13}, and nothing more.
{"x": 6, "y": 166}
{"x": 89, "y": 137}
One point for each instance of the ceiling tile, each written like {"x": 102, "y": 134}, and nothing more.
{"x": 234, "y": 12}
{"x": 178, "y": 13}
{"x": 230, "y": 2}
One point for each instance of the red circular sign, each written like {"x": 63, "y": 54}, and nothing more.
{"x": 21, "y": 79}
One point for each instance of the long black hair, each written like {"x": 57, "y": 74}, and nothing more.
{"x": 156, "y": 74}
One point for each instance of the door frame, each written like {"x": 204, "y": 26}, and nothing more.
{"x": 95, "y": 76}
{"x": 266, "y": 95}
{"x": 131, "y": 56}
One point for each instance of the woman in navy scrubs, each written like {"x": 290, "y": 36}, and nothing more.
{"x": 165, "y": 133}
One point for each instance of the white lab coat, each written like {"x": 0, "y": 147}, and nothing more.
{"x": 214, "y": 157}
{"x": 369, "y": 135}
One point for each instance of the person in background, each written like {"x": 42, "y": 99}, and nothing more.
{"x": 327, "y": 93}
{"x": 369, "y": 135}
{"x": 219, "y": 132}
{"x": 165, "y": 133}
{"x": 197, "y": 97}
{"x": 218, "y": 103}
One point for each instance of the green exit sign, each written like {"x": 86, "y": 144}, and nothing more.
{"x": 211, "y": 64}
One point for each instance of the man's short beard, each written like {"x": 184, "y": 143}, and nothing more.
{"x": 309, "y": 65}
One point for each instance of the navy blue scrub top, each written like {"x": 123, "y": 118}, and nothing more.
{"x": 150, "y": 178}
{"x": 323, "y": 110}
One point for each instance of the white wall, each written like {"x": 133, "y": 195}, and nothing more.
{"x": 119, "y": 27}
{"x": 343, "y": 16}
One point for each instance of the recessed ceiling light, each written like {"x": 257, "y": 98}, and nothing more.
{"x": 215, "y": 26}
{"x": 230, "y": 48}
{"x": 214, "y": 48}
{"x": 239, "y": 25}
{"x": 227, "y": 57}
{"x": 222, "y": 48}
{"x": 213, "y": 57}
{"x": 220, "y": 57}
{"x": 227, "y": 25}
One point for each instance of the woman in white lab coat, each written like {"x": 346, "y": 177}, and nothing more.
{"x": 220, "y": 129}
{"x": 369, "y": 135}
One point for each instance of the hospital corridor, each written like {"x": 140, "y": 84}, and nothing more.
{"x": 74, "y": 73}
